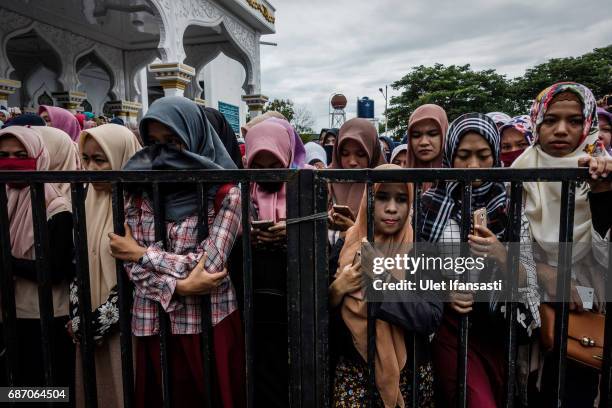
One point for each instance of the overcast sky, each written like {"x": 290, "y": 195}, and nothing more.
{"x": 357, "y": 46}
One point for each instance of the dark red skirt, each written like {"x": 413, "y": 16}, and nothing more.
{"x": 186, "y": 370}
{"x": 486, "y": 368}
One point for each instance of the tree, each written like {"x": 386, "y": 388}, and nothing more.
{"x": 593, "y": 70}
{"x": 302, "y": 120}
{"x": 283, "y": 106}
{"x": 458, "y": 89}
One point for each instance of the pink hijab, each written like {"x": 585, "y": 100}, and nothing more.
{"x": 63, "y": 153}
{"x": 62, "y": 119}
{"x": 276, "y": 138}
{"x": 437, "y": 114}
{"x": 19, "y": 204}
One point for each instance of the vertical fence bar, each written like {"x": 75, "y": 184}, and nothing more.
{"x": 293, "y": 293}
{"x": 371, "y": 329}
{"x": 9, "y": 319}
{"x": 164, "y": 324}
{"x": 206, "y": 312}
{"x": 514, "y": 237}
{"x": 464, "y": 320}
{"x": 321, "y": 297}
{"x": 124, "y": 291}
{"x": 606, "y": 369}
{"x": 564, "y": 278}
{"x": 87, "y": 345}
{"x": 247, "y": 271}
{"x": 45, "y": 300}
{"x": 307, "y": 296}
{"x": 413, "y": 352}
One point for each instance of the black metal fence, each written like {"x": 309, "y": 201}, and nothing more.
{"x": 307, "y": 282}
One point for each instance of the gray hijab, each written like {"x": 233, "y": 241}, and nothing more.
{"x": 204, "y": 150}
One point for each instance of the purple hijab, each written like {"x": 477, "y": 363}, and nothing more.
{"x": 297, "y": 146}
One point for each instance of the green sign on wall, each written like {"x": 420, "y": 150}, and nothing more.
{"x": 232, "y": 114}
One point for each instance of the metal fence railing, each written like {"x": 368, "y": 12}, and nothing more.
{"x": 307, "y": 284}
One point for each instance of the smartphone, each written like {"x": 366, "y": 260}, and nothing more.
{"x": 344, "y": 210}
{"x": 262, "y": 225}
{"x": 479, "y": 218}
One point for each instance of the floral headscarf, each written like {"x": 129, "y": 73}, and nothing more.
{"x": 589, "y": 111}
{"x": 521, "y": 123}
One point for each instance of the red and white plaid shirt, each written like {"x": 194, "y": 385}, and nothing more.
{"x": 155, "y": 275}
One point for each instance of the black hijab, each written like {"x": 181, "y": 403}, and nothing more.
{"x": 203, "y": 150}
{"x": 27, "y": 119}
{"x": 225, "y": 132}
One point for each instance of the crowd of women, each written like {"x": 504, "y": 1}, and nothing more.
{"x": 564, "y": 129}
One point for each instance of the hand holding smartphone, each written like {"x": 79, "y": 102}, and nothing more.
{"x": 344, "y": 210}
{"x": 262, "y": 225}
{"x": 479, "y": 217}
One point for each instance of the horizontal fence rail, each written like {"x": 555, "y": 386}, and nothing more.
{"x": 307, "y": 275}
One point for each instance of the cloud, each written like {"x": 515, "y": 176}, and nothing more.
{"x": 357, "y": 46}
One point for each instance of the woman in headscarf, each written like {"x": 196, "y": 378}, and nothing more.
{"x": 516, "y": 136}
{"x": 329, "y": 137}
{"x": 315, "y": 155}
{"x": 427, "y": 129}
{"x": 178, "y": 137}
{"x": 271, "y": 145}
{"x": 63, "y": 153}
{"x": 399, "y": 156}
{"x": 22, "y": 148}
{"x": 356, "y": 147}
{"x": 387, "y": 147}
{"x": 473, "y": 142}
{"x": 106, "y": 147}
{"x": 605, "y": 128}
{"x": 500, "y": 118}
{"x": 28, "y": 119}
{"x": 565, "y": 135}
{"x": 392, "y": 233}
{"x": 62, "y": 119}
{"x": 225, "y": 133}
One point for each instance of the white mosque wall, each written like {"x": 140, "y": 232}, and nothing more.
{"x": 223, "y": 79}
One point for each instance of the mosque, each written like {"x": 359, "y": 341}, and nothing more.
{"x": 115, "y": 57}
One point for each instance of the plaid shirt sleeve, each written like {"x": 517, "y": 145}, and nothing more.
{"x": 217, "y": 245}
{"x": 157, "y": 271}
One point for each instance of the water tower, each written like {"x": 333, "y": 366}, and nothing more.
{"x": 337, "y": 115}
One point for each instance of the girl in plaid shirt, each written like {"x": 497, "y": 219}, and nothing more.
{"x": 178, "y": 136}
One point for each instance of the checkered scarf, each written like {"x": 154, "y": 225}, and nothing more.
{"x": 443, "y": 202}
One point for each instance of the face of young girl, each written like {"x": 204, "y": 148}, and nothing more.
{"x": 513, "y": 140}
{"x": 425, "y": 140}
{"x": 390, "y": 209}
{"x": 605, "y": 131}
{"x": 94, "y": 159}
{"x": 353, "y": 156}
{"x": 400, "y": 159}
{"x": 561, "y": 129}
{"x": 473, "y": 152}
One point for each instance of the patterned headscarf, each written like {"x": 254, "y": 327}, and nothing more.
{"x": 589, "y": 111}
{"x": 521, "y": 123}
{"x": 443, "y": 202}
{"x": 500, "y": 118}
